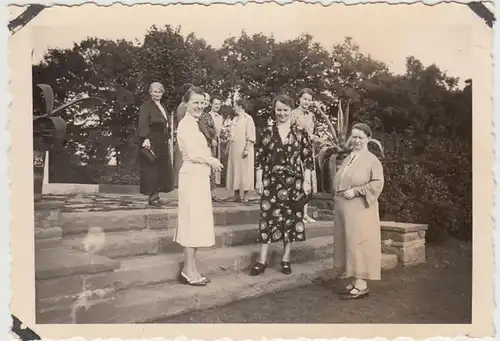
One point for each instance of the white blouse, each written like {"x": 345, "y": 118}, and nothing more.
{"x": 196, "y": 155}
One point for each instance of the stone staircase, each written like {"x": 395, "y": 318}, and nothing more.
{"x": 122, "y": 266}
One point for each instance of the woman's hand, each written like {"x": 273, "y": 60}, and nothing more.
{"x": 214, "y": 143}
{"x": 349, "y": 194}
{"x": 306, "y": 186}
{"x": 216, "y": 164}
{"x": 245, "y": 152}
{"x": 146, "y": 144}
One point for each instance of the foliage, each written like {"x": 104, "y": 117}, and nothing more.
{"x": 422, "y": 118}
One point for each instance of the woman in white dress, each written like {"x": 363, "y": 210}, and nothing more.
{"x": 195, "y": 222}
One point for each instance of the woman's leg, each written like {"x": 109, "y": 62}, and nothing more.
{"x": 286, "y": 251}
{"x": 244, "y": 198}
{"x": 189, "y": 268}
{"x": 264, "y": 248}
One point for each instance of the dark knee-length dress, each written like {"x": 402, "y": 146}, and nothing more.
{"x": 283, "y": 164}
{"x": 155, "y": 176}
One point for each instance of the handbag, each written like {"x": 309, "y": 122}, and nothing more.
{"x": 148, "y": 154}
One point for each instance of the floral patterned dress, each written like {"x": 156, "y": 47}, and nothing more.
{"x": 283, "y": 164}
{"x": 207, "y": 127}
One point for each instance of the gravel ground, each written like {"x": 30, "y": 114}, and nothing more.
{"x": 438, "y": 291}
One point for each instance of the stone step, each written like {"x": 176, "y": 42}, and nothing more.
{"x": 152, "y": 270}
{"x": 150, "y": 304}
{"x": 151, "y": 242}
{"x": 142, "y": 271}
{"x": 161, "y": 219}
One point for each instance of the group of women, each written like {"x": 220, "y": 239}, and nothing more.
{"x": 285, "y": 178}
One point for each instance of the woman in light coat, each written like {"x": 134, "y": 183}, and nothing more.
{"x": 195, "y": 222}
{"x": 358, "y": 184}
{"x": 240, "y": 165}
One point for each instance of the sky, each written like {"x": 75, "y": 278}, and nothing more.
{"x": 439, "y": 34}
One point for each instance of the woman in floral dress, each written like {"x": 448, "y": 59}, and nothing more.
{"x": 284, "y": 162}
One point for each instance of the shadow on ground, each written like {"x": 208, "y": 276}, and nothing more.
{"x": 439, "y": 291}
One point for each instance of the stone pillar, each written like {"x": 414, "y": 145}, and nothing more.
{"x": 407, "y": 241}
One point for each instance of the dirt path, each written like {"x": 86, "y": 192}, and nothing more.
{"x": 436, "y": 292}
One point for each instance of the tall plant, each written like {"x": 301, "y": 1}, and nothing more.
{"x": 337, "y": 147}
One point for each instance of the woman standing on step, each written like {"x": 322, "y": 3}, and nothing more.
{"x": 240, "y": 176}
{"x": 305, "y": 120}
{"x": 358, "y": 184}
{"x": 195, "y": 222}
{"x": 284, "y": 164}
{"x": 154, "y": 133}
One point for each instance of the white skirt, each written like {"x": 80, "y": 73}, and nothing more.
{"x": 195, "y": 220}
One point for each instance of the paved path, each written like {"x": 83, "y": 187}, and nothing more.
{"x": 95, "y": 202}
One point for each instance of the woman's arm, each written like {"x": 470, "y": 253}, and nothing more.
{"x": 262, "y": 153}
{"x": 144, "y": 121}
{"x": 191, "y": 150}
{"x": 306, "y": 154}
{"x": 372, "y": 189}
{"x": 250, "y": 133}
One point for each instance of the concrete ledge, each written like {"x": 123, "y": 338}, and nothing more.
{"x": 48, "y": 233}
{"x": 154, "y": 219}
{"x": 151, "y": 242}
{"x": 60, "y": 189}
{"x": 402, "y": 227}
{"x": 49, "y": 237}
{"x": 405, "y": 240}
{"x": 47, "y": 214}
{"x": 59, "y": 262}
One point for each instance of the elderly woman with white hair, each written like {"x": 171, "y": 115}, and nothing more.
{"x": 154, "y": 155}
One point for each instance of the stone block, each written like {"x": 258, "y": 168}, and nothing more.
{"x": 407, "y": 241}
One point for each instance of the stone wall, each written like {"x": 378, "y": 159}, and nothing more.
{"x": 405, "y": 240}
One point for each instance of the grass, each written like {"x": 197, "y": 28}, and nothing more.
{"x": 439, "y": 291}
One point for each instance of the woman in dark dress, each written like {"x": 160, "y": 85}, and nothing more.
{"x": 284, "y": 162}
{"x": 154, "y": 133}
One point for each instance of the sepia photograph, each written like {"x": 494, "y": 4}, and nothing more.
{"x": 254, "y": 164}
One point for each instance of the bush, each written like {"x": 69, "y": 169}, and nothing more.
{"x": 413, "y": 194}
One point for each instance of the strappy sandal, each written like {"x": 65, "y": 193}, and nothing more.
{"x": 286, "y": 268}
{"x": 346, "y": 290}
{"x": 257, "y": 269}
{"x": 355, "y": 294}
{"x": 200, "y": 282}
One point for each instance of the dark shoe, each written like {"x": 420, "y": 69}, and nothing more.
{"x": 200, "y": 282}
{"x": 257, "y": 269}
{"x": 355, "y": 294}
{"x": 156, "y": 202}
{"x": 286, "y": 268}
